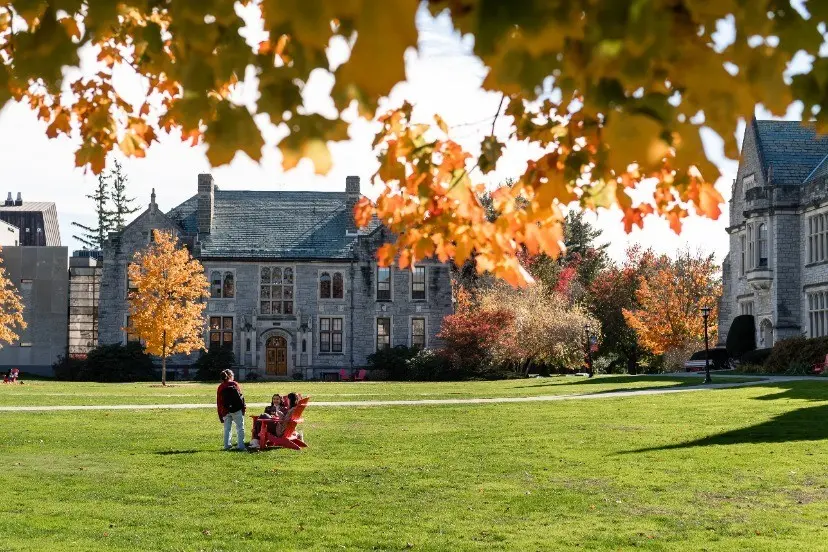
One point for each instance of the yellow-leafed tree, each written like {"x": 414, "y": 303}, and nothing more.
{"x": 167, "y": 309}
{"x": 11, "y": 310}
{"x": 670, "y": 301}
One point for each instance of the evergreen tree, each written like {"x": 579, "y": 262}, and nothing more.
{"x": 93, "y": 237}
{"x": 121, "y": 204}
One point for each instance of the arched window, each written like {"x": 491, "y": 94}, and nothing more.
{"x": 288, "y": 276}
{"x": 762, "y": 246}
{"x": 304, "y": 345}
{"x": 751, "y": 258}
{"x": 324, "y": 286}
{"x": 229, "y": 285}
{"x": 337, "y": 285}
{"x": 215, "y": 284}
{"x": 265, "y": 275}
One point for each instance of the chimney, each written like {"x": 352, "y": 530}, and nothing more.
{"x": 205, "y": 203}
{"x": 352, "y": 195}
{"x": 9, "y": 200}
{"x": 19, "y": 201}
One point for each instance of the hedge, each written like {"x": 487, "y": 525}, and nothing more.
{"x": 794, "y": 353}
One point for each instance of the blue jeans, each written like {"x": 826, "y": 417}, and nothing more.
{"x": 238, "y": 418}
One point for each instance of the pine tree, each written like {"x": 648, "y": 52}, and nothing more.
{"x": 121, "y": 204}
{"x": 94, "y": 237}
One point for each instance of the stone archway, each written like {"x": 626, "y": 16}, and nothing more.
{"x": 765, "y": 333}
{"x": 276, "y": 356}
{"x": 276, "y": 353}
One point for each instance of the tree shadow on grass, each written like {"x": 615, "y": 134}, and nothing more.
{"x": 174, "y": 452}
{"x": 620, "y": 380}
{"x": 803, "y": 424}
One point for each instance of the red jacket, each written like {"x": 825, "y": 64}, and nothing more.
{"x": 220, "y": 402}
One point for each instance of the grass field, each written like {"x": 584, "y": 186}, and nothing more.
{"x": 735, "y": 469}
{"x": 46, "y": 392}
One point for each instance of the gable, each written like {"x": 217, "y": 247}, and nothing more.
{"x": 789, "y": 150}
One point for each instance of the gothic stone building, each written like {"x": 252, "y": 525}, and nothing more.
{"x": 777, "y": 268}
{"x": 294, "y": 286}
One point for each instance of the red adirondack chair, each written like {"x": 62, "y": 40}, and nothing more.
{"x": 343, "y": 375}
{"x": 288, "y": 438}
{"x": 361, "y": 375}
{"x": 819, "y": 368}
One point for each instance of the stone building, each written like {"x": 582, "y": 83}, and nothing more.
{"x": 777, "y": 267}
{"x": 84, "y": 297}
{"x": 295, "y": 287}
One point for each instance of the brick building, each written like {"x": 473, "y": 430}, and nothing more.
{"x": 777, "y": 268}
{"x": 295, "y": 287}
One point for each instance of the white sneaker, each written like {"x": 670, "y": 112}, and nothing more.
{"x": 254, "y": 443}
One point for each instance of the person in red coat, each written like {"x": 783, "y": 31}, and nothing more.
{"x": 231, "y": 408}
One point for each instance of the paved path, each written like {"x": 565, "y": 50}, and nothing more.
{"x": 433, "y": 402}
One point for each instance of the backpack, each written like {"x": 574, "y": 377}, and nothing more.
{"x": 232, "y": 398}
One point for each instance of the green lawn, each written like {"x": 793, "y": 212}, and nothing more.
{"x": 46, "y": 392}
{"x": 736, "y": 469}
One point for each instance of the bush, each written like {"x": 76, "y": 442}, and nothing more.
{"x": 757, "y": 357}
{"x": 794, "y": 353}
{"x": 67, "y": 368}
{"x": 212, "y": 363}
{"x": 741, "y": 337}
{"x": 112, "y": 363}
{"x": 393, "y": 361}
{"x": 252, "y": 376}
{"x": 429, "y": 365}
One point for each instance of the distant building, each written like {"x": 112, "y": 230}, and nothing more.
{"x": 37, "y": 221}
{"x": 41, "y": 276}
{"x": 9, "y": 234}
{"x": 84, "y": 294}
{"x": 777, "y": 267}
{"x": 294, "y": 285}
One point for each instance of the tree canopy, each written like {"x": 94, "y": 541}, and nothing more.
{"x": 613, "y": 92}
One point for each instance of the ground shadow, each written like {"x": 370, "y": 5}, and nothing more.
{"x": 804, "y": 424}
{"x": 173, "y": 452}
{"x": 609, "y": 380}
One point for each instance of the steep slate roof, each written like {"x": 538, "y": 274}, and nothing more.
{"x": 791, "y": 148}
{"x": 283, "y": 225}
{"x": 35, "y": 212}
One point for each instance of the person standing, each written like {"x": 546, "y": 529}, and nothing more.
{"x": 231, "y": 408}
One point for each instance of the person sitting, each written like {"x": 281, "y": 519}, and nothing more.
{"x": 274, "y": 411}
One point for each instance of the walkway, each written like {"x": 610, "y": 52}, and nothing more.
{"x": 437, "y": 402}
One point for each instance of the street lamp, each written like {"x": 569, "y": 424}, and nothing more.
{"x": 588, "y": 350}
{"x": 705, "y": 313}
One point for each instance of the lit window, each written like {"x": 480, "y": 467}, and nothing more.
{"x": 383, "y": 333}
{"x": 221, "y": 331}
{"x": 418, "y": 332}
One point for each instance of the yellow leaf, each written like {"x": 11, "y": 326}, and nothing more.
{"x": 385, "y": 29}
{"x": 633, "y": 138}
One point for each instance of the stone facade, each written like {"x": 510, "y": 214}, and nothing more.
{"x": 84, "y": 299}
{"x": 306, "y": 235}
{"x": 778, "y": 257}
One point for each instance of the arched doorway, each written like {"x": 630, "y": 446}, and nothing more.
{"x": 276, "y": 356}
{"x": 766, "y": 333}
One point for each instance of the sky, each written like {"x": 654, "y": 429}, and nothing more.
{"x": 441, "y": 77}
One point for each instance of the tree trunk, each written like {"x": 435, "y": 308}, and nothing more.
{"x": 164, "y": 359}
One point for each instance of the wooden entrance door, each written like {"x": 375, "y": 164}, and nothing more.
{"x": 276, "y": 356}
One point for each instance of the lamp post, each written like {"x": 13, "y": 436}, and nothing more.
{"x": 705, "y": 313}
{"x": 588, "y": 350}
